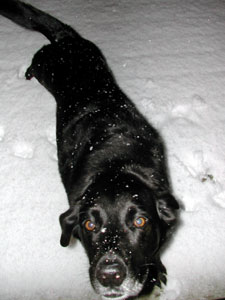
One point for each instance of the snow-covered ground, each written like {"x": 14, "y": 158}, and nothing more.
{"x": 169, "y": 56}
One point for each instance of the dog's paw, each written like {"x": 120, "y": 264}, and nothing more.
{"x": 172, "y": 291}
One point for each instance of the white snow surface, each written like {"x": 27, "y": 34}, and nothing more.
{"x": 169, "y": 57}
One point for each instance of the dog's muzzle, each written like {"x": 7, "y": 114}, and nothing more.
{"x": 113, "y": 280}
{"x": 111, "y": 272}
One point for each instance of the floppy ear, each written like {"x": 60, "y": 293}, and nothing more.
{"x": 68, "y": 220}
{"x": 167, "y": 207}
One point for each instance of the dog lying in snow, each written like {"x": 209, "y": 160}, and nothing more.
{"x": 111, "y": 161}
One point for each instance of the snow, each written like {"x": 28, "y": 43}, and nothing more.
{"x": 169, "y": 58}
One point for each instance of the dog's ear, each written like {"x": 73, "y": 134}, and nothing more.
{"x": 157, "y": 182}
{"x": 68, "y": 221}
{"x": 167, "y": 207}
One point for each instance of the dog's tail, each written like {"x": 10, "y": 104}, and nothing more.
{"x": 32, "y": 18}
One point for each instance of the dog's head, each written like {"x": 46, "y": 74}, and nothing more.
{"x": 121, "y": 224}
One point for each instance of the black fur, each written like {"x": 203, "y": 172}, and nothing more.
{"x": 111, "y": 161}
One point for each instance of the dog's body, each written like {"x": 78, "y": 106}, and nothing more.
{"x": 110, "y": 159}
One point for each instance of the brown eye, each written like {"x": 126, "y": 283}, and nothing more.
{"x": 140, "y": 222}
{"x": 90, "y": 226}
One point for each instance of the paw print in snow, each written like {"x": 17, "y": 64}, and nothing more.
{"x": 51, "y": 138}
{"x": 50, "y": 134}
{"x": 219, "y": 199}
{"x": 2, "y": 133}
{"x": 23, "y": 150}
{"x": 190, "y": 109}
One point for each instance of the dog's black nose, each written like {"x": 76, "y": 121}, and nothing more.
{"x": 111, "y": 274}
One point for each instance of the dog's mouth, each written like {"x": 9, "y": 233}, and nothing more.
{"x": 129, "y": 288}
{"x": 113, "y": 295}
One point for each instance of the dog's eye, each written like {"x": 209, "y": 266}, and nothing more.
{"x": 140, "y": 222}
{"x": 89, "y": 225}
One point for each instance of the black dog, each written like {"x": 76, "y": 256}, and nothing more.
{"x": 111, "y": 161}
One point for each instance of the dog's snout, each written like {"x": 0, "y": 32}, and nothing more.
{"x": 111, "y": 273}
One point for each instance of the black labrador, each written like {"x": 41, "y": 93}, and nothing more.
{"x": 111, "y": 161}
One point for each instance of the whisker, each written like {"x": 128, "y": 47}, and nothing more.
{"x": 148, "y": 264}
